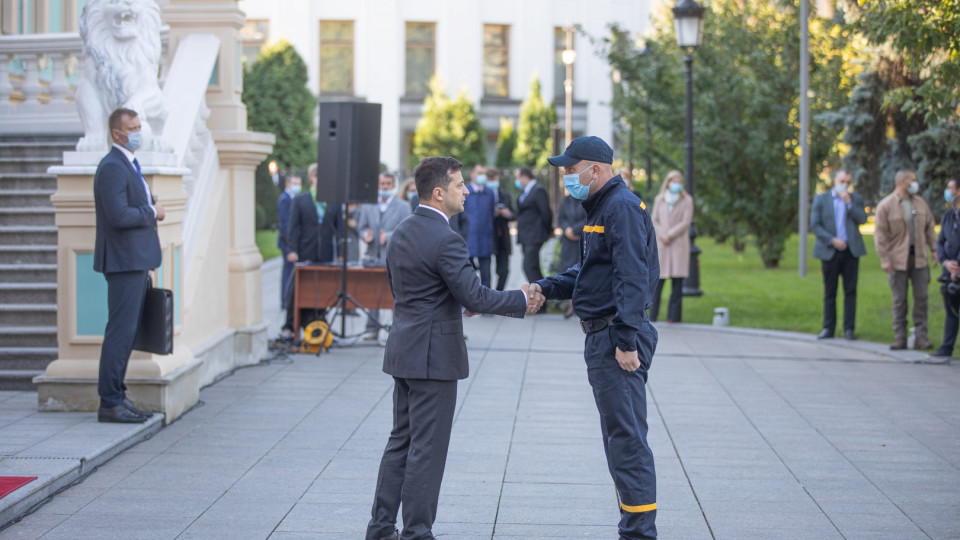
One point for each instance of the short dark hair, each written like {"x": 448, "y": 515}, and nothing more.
{"x": 492, "y": 173}
{"x": 116, "y": 117}
{"x": 434, "y": 172}
{"x": 389, "y": 175}
{"x": 528, "y": 172}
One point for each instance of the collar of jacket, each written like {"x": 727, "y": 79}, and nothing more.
{"x": 597, "y": 198}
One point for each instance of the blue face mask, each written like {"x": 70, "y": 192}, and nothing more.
{"x": 948, "y": 195}
{"x": 294, "y": 188}
{"x": 493, "y": 184}
{"x": 385, "y": 193}
{"x": 518, "y": 185}
{"x": 134, "y": 141}
{"x": 481, "y": 179}
{"x": 675, "y": 187}
{"x": 412, "y": 195}
{"x": 572, "y": 183}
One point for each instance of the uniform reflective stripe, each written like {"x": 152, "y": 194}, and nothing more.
{"x": 638, "y": 509}
{"x": 643, "y": 205}
{"x": 593, "y": 228}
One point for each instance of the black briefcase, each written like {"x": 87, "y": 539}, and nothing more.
{"x": 155, "y": 334}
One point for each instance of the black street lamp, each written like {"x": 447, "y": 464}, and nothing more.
{"x": 688, "y": 23}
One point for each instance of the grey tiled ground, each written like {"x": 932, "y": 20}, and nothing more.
{"x": 755, "y": 437}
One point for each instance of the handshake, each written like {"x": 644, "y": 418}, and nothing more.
{"x": 535, "y": 298}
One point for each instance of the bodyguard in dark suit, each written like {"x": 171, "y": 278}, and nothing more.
{"x": 432, "y": 282}
{"x": 126, "y": 248}
{"x": 501, "y": 227}
{"x": 534, "y": 222}
{"x": 835, "y": 219}
{"x": 291, "y": 187}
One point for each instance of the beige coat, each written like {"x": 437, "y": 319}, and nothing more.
{"x": 674, "y": 226}
{"x": 892, "y": 238}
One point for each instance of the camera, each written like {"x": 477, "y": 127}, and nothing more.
{"x": 951, "y": 287}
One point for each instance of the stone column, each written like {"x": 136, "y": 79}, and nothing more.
{"x": 166, "y": 384}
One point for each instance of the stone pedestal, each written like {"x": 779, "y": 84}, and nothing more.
{"x": 166, "y": 384}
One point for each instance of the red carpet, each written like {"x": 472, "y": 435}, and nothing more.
{"x": 9, "y": 484}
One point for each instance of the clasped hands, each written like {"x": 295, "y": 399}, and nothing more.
{"x": 535, "y": 298}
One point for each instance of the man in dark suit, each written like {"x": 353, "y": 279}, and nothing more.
{"x": 432, "y": 283}
{"x": 835, "y": 219}
{"x": 312, "y": 234}
{"x": 501, "y": 227}
{"x": 126, "y": 248}
{"x": 534, "y": 222}
{"x": 291, "y": 188}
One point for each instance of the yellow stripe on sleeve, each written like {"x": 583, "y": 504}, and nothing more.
{"x": 593, "y": 228}
{"x": 643, "y": 205}
{"x": 638, "y": 509}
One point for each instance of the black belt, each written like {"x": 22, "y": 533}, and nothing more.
{"x": 595, "y": 325}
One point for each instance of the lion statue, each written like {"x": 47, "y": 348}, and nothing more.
{"x": 121, "y": 57}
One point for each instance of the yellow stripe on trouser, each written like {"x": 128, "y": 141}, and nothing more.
{"x": 593, "y": 228}
{"x": 638, "y": 509}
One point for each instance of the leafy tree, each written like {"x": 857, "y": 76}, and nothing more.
{"x": 506, "y": 144}
{"x": 746, "y": 122}
{"x": 448, "y": 128}
{"x": 533, "y": 131}
{"x": 925, "y": 35}
{"x": 279, "y": 102}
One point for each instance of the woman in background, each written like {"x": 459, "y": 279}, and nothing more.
{"x": 672, "y": 215}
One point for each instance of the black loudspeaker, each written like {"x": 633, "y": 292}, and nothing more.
{"x": 348, "y": 152}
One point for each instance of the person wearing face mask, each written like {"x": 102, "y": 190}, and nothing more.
{"x": 534, "y": 221}
{"x": 835, "y": 219}
{"x": 408, "y": 192}
{"x": 672, "y": 215}
{"x": 501, "y": 227}
{"x": 291, "y": 188}
{"x": 948, "y": 252}
{"x": 479, "y": 210}
{"x": 904, "y": 233}
{"x": 611, "y": 288}
{"x": 377, "y": 222}
{"x": 126, "y": 249}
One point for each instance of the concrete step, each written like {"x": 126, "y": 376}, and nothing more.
{"x": 28, "y": 336}
{"x": 40, "y": 181}
{"x": 25, "y": 198}
{"x": 35, "y": 358}
{"x": 18, "y": 380}
{"x": 28, "y": 314}
{"x": 28, "y": 273}
{"x": 28, "y": 254}
{"x": 27, "y": 217}
{"x": 20, "y": 164}
{"x": 28, "y": 293}
{"x": 47, "y": 148}
{"x": 28, "y": 236}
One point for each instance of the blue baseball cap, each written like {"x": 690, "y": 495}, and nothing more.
{"x": 584, "y": 148}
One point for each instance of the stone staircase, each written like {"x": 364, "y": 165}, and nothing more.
{"x": 28, "y": 257}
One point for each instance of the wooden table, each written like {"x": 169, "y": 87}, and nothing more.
{"x": 316, "y": 287}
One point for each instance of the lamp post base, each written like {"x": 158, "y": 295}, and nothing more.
{"x": 691, "y": 284}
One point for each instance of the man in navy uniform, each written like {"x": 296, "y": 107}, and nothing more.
{"x": 432, "y": 282}
{"x": 126, "y": 248}
{"x": 611, "y": 288}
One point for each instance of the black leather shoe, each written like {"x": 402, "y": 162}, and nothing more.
{"x": 848, "y": 334}
{"x": 120, "y": 415}
{"x": 132, "y": 408}
{"x": 825, "y": 334}
{"x": 395, "y": 535}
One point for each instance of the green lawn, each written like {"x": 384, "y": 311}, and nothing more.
{"x": 779, "y": 299}
{"x": 267, "y": 244}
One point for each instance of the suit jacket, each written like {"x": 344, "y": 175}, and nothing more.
{"x": 283, "y": 219}
{"x": 534, "y": 217}
{"x": 313, "y": 240}
{"x": 432, "y": 281}
{"x": 823, "y": 224}
{"x": 126, "y": 238}
{"x": 501, "y": 226}
{"x": 371, "y": 218}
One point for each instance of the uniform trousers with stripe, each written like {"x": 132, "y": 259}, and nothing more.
{"x": 621, "y": 399}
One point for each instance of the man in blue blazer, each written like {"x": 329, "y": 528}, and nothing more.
{"x": 126, "y": 248}
{"x": 835, "y": 219}
{"x": 433, "y": 283}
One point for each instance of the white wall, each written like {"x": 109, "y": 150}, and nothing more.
{"x": 379, "y": 47}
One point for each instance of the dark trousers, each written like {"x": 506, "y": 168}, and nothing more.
{"x": 845, "y": 265}
{"x": 503, "y": 268}
{"x": 286, "y": 280}
{"x": 125, "y": 293}
{"x": 483, "y": 264}
{"x": 412, "y": 466}
{"x": 675, "y": 305}
{"x": 531, "y": 262}
{"x": 951, "y": 304}
{"x": 621, "y": 398}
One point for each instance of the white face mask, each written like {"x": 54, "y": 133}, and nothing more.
{"x": 840, "y": 189}
{"x": 295, "y": 188}
{"x": 914, "y": 187}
